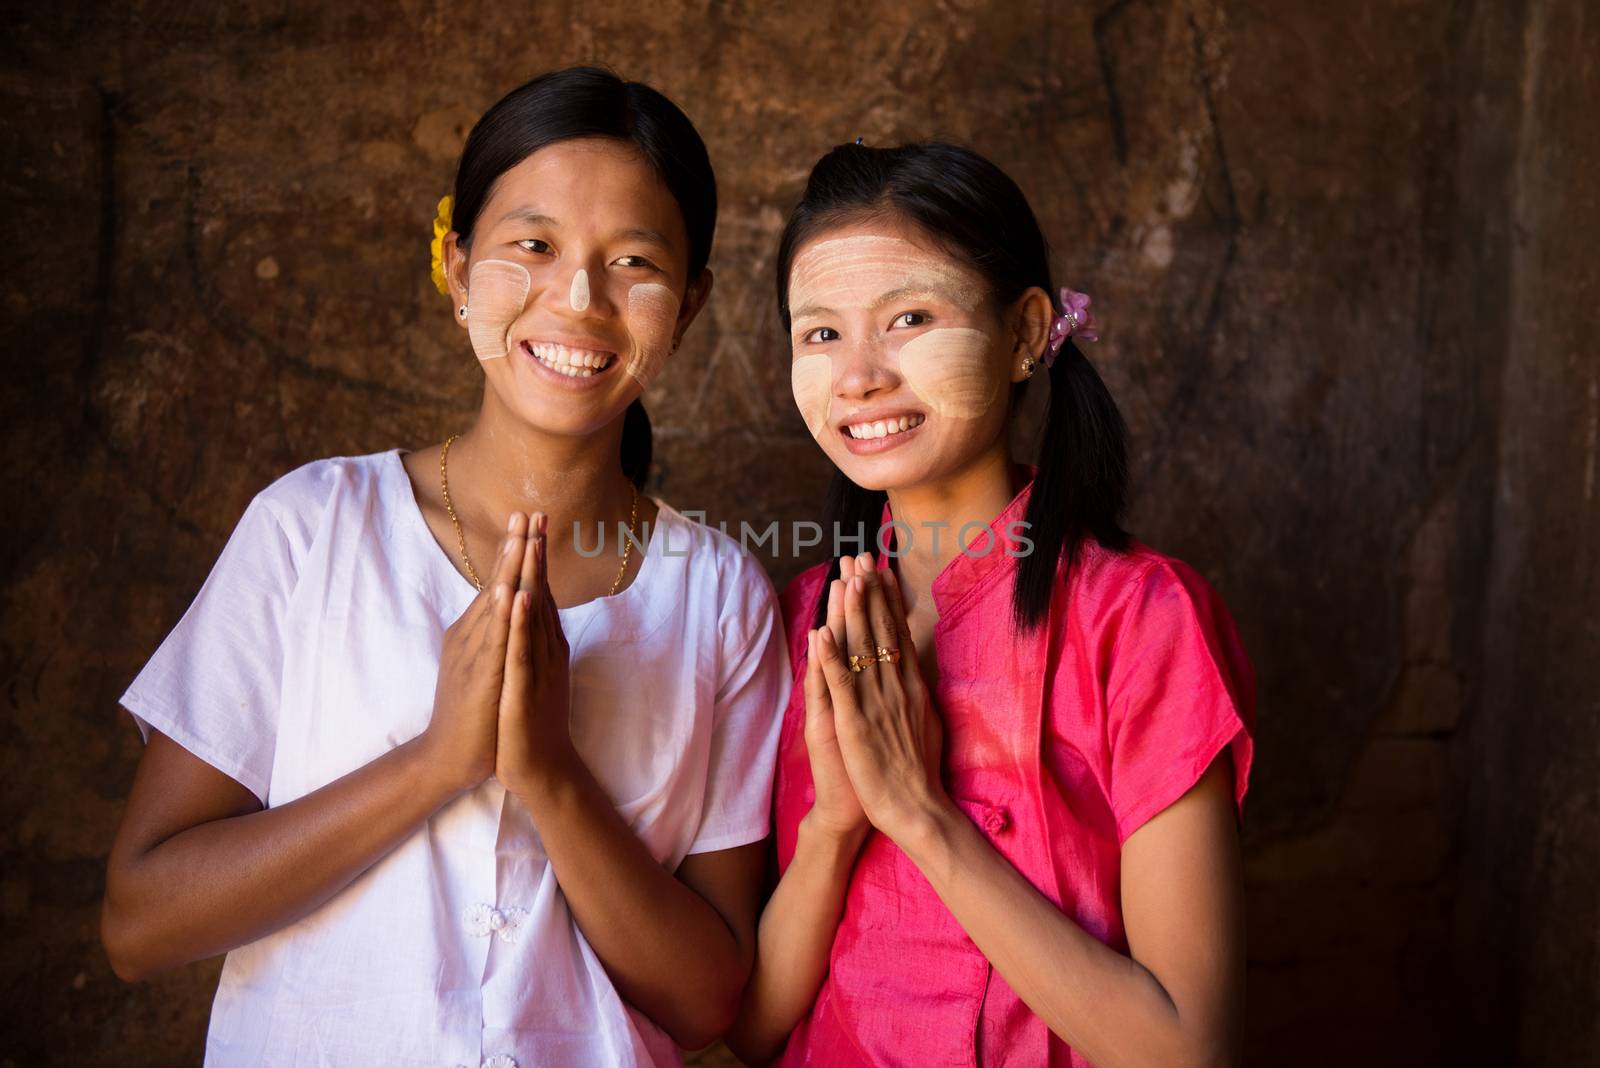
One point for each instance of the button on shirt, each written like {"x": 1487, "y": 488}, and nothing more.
{"x": 313, "y": 648}
{"x": 1059, "y": 743}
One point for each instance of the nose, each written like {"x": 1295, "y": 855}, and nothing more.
{"x": 863, "y": 369}
{"x": 579, "y": 291}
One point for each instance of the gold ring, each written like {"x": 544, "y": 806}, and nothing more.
{"x": 887, "y": 655}
{"x": 859, "y": 662}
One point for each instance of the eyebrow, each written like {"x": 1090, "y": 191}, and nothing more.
{"x": 886, "y": 298}
{"x": 528, "y": 215}
{"x": 538, "y": 218}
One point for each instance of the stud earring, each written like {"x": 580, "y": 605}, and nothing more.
{"x": 461, "y": 313}
{"x": 1027, "y": 366}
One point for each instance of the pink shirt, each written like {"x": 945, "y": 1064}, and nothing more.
{"x": 1059, "y": 743}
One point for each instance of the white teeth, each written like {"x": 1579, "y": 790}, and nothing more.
{"x": 574, "y": 363}
{"x": 883, "y": 427}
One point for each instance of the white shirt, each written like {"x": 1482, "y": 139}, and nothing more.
{"x": 313, "y": 648}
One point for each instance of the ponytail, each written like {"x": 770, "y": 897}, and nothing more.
{"x": 1082, "y": 484}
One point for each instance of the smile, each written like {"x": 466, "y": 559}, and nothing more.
{"x": 883, "y": 428}
{"x": 570, "y": 361}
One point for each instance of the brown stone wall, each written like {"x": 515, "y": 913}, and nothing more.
{"x": 1342, "y": 255}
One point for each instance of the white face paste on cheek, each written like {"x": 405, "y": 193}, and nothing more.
{"x": 496, "y": 293}
{"x": 579, "y": 296}
{"x": 652, "y": 313}
{"x": 811, "y": 378}
{"x": 950, "y": 369}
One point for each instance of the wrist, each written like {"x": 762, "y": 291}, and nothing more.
{"x": 841, "y": 842}
{"x": 557, "y": 768}
{"x": 431, "y": 767}
{"x": 920, "y": 825}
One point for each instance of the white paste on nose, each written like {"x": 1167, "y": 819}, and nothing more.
{"x": 950, "y": 369}
{"x": 579, "y": 295}
{"x": 811, "y": 378}
{"x": 496, "y": 293}
{"x": 652, "y": 313}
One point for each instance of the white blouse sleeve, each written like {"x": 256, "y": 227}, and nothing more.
{"x": 213, "y": 685}
{"x": 753, "y": 690}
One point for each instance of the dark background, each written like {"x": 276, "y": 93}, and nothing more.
{"x": 1342, "y": 254}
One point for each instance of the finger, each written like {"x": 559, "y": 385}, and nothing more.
{"x": 836, "y": 611}
{"x": 838, "y": 676}
{"x": 482, "y": 606}
{"x": 819, "y": 710}
{"x": 910, "y": 671}
{"x": 518, "y": 639}
{"x": 884, "y": 634}
{"x": 859, "y": 642}
{"x": 509, "y": 563}
{"x": 527, "y": 574}
{"x": 555, "y": 638}
{"x": 500, "y": 616}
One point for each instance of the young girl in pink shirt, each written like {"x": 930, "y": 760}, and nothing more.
{"x": 1011, "y": 765}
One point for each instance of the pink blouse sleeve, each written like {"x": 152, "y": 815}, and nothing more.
{"x": 1179, "y": 689}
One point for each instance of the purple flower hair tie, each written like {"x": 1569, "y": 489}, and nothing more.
{"x": 1075, "y": 320}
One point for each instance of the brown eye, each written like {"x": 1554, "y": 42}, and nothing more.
{"x": 910, "y": 319}
{"x": 542, "y": 246}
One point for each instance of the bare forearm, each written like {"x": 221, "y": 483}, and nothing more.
{"x": 794, "y": 942}
{"x": 667, "y": 950}
{"x": 1104, "y": 1004}
{"x": 222, "y": 884}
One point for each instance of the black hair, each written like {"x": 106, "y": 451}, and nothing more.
{"x": 970, "y": 208}
{"x": 590, "y": 102}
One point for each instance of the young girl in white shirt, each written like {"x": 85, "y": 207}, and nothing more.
{"x": 448, "y": 784}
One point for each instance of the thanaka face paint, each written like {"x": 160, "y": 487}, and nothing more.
{"x": 846, "y": 273}
{"x": 652, "y": 315}
{"x": 497, "y": 290}
{"x": 947, "y": 368}
{"x": 950, "y": 368}
{"x": 578, "y": 296}
{"x": 811, "y": 378}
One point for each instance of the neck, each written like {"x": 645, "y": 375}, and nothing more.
{"x": 976, "y": 494}
{"x": 503, "y": 465}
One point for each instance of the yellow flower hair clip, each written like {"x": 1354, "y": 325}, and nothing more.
{"x": 441, "y": 226}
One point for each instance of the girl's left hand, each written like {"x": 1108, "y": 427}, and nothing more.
{"x": 534, "y": 740}
{"x": 889, "y": 735}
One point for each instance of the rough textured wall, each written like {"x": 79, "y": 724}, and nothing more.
{"x": 1530, "y": 921}
{"x": 1296, "y": 220}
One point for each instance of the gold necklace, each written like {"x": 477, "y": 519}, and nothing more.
{"x": 461, "y": 537}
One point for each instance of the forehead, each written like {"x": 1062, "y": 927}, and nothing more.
{"x": 593, "y": 181}
{"x": 862, "y": 261}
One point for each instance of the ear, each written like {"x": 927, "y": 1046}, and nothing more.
{"x": 455, "y": 274}
{"x": 1028, "y": 321}
{"x": 694, "y": 298}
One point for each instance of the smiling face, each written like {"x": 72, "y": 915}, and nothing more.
{"x": 575, "y": 283}
{"x": 901, "y": 363}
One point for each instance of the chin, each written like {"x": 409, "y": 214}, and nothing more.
{"x": 884, "y": 472}
{"x": 551, "y": 415}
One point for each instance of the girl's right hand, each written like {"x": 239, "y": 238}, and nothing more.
{"x": 837, "y": 811}
{"x": 466, "y": 701}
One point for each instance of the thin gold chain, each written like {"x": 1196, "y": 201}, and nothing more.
{"x": 627, "y": 543}
{"x": 461, "y": 537}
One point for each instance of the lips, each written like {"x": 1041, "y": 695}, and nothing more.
{"x": 883, "y": 431}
